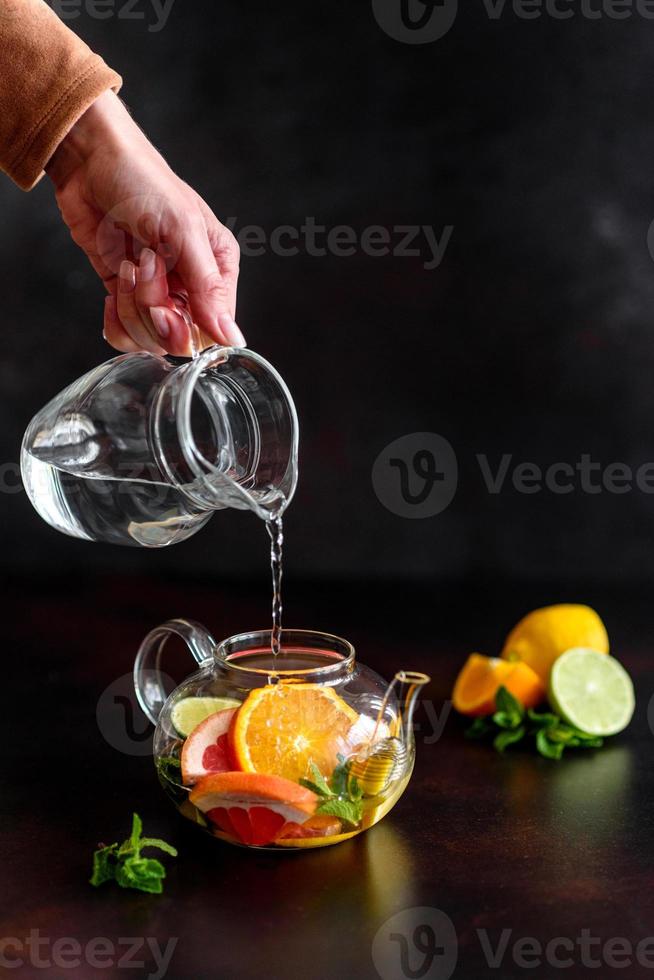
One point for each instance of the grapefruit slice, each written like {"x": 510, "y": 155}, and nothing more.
{"x": 252, "y": 808}
{"x": 206, "y": 750}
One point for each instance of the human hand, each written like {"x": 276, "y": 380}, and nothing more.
{"x": 153, "y": 241}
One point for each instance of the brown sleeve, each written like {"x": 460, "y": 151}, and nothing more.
{"x": 48, "y": 78}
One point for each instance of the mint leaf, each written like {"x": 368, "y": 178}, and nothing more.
{"x": 317, "y": 783}
{"x": 587, "y": 742}
{"x": 479, "y": 728}
{"x": 509, "y": 737}
{"x": 161, "y": 844}
{"x": 339, "y": 779}
{"x": 144, "y": 874}
{"x": 508, "y": 710}
{"x": 347, "y": 810}
{"x": 137, "y": 829}
{"x": 356, "y": 793}
{"x": 104, "y": 864}
{"x": 543, "y": 719}
{"x": 585, "y": 737}
{"x": 559, "y": 733}
{"x": 505, "y": 701}
{"x": 125, "y": 865}
{"x": 511, "y": 723}
{"x": 313, "y": 787}
{"x": 341, "y": 796}
{"x": 551, "y": 750}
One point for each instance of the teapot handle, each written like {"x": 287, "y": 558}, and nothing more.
{"x": 148, "y": 680}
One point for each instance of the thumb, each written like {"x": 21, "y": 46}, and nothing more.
{"x": 210, "y": 293}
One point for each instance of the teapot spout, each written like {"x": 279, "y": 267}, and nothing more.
{"x": 388, "y": 757}
{"x": 410, "y": 684}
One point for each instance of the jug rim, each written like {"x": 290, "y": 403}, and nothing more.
{"x": 255, "y": 642}
{"x": 198, "y": 463}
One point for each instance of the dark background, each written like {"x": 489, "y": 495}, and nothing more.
{"x": 533, "y": 338}
{"x": 531, "y": 137}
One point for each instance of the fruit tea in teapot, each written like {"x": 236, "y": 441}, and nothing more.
{"x": 303, "y": 749}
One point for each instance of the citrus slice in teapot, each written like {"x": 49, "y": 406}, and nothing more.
{"x": 282, "y": 729}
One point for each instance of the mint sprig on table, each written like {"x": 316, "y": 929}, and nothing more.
{"x": 123, "y": 862}
{"x": 511, "y": 724}
{"x": 341, "y": 794}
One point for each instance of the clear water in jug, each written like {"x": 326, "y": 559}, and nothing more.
{"x": 143, "y": 449}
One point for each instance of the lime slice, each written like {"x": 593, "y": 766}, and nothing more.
{"x": 592, "y": 691}
{"x": 189, "y": 712}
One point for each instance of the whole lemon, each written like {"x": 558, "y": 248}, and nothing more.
{"x": 544, "y": 634}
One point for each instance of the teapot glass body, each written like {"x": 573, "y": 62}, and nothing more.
{"x": 301, "y": 750}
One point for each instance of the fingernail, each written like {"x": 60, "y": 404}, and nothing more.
{"x": 147, "y": 265}
{"x": 160, "y": 321}
{"x": 231, "y": 331}
{"x": 127, "y": 277}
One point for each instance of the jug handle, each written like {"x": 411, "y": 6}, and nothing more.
{"x": 148, "y": 680}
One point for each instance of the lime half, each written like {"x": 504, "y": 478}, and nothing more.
{"x": 189, "y": 712}
{"x": 592, "y": 691}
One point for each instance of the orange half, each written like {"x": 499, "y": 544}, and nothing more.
{"x": 481, "y": 677}
{"x": 282, "y": 728}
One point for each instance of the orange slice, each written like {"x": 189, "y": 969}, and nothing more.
{"x": 283, "y": 728}
{"x": 481, "y": 677}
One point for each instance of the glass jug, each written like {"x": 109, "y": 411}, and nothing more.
{"x": 143, "y": 449}
{"x": 300, "y": 750}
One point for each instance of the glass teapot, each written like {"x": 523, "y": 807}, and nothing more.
{"x": 302, "y": 749}
{"x": 143, "y": 449}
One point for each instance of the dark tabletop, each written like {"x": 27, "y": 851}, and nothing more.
{"x": 481, "y": 853}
